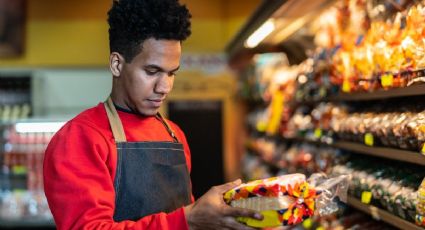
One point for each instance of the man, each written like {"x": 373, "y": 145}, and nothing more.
{"x": 120, "y": 165}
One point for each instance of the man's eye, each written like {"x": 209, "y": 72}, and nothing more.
{"x": 151, "y": 72}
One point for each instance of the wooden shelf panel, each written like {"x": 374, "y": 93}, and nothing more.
{"x": 390, "y": 153}
{"x": 413, "y": 90}
{"x": 384, "y": 152}
{"x": 383, "y": 215}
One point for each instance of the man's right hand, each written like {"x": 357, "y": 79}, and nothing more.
{"x": 211, "y": 212}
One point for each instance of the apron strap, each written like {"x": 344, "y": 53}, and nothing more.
{"x": 114, "y": 121}
{"x": 167, "y": 126}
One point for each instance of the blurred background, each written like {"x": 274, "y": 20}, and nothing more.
{"x": 265, "y": 88}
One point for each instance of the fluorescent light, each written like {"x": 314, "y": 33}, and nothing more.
{"x": 38, "y": 127}
{"x": 260, "y": 34}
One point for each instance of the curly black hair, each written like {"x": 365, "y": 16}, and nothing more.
{"x": 131, "y": 22}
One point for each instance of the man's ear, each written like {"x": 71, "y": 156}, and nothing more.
{"x": 116, "y": 62}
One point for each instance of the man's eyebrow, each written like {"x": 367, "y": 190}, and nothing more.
{"x": 159, "y": 68}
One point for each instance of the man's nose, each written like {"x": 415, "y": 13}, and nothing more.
{"x": 164, "y": 84}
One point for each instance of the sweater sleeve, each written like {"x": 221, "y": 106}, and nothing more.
{"x": 78, "y": 175}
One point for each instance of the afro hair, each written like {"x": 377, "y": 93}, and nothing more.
{"x": 131, "y": 22}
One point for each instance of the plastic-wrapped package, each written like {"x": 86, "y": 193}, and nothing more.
{"x": 289, "y": 199}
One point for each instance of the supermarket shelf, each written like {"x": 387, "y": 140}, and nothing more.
{"x": 413, "y": 90}
{"x": 26, "y": 223}
{"x": 380, "y": 214}
{"x": 384, "y": 152}
{"x": 390, "y": 153}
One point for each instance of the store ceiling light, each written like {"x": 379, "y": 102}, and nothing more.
{"x": 38, "y": 127}
{"x": 261, "y": 33}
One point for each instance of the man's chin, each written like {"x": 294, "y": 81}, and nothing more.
{"x": 148, "y": 112}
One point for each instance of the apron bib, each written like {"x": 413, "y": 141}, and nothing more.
{"x": 151, "y": 177}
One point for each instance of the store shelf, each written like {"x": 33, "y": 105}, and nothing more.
{"x": 413, "y": 90}
{"x": 390, "y": 153}
{"x": 384, "y": 152}
{"x": 26, "y": 223}
{"x": 383, "y": 215}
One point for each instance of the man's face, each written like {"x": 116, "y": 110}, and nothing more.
{"x": 149, "y": 77}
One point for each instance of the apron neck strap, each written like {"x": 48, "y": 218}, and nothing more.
{"x": 169, "y": 129}
{"x": 116, "y": 125}
{"x": 114, "y": 121}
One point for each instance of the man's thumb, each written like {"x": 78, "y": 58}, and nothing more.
{"x": 226, "y": 187}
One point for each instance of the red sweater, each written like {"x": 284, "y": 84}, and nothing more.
{"x": 79, "y": 170}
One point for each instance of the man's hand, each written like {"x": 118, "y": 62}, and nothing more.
{"x": 211, "y": 212}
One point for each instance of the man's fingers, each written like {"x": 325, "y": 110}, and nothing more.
{"x": 241, "y": 212}
{"x": 226, "y": 187}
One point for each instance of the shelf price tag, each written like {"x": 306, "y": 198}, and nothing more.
{"x": 19, "y": 170}
{"x": 366, "y": 197}
{"x": 346, "y": 86}
{"x": 387, "y": 80}
{"x": 368, "y": 139}
{"x": 318, "y": 133}
{"x": 320, "y": 228}
{"x": 423, "y": 149}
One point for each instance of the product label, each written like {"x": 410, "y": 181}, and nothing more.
{"x": 387, "y": 80}
{"x": 423, "y": 149}
{"x": 307, "y": 223}
{"x": 368, "y": 139}
{"x": 366, "y": 197}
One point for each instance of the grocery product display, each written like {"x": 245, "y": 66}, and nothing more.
{"x": 22, "y": 196}
{"x": 353, "y": 107}
{"x": 23, "y": 141}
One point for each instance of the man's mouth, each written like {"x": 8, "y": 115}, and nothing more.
{"x": 156, "y": 102}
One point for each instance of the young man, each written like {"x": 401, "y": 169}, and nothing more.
{"x": 120, "y": 165}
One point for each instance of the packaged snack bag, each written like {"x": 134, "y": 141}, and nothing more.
{"x": 288, "y": 199}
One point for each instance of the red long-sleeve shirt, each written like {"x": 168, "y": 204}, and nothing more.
{"x": 79, "y": 171}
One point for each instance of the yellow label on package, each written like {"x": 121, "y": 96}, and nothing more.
{"x": 423, "y": 149}
{"x": 387, "y": 80}
{"x": 271, "y": 219}
{"x": 368, "y": 139}
{"x": 307, "y": 223}
{"x": 366, "y": 197}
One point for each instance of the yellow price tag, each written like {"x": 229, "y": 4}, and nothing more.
{"x": 261, "y": 126}
{"x": 346, "y": 86}
{"x": 366, "y": 197}
{"x": 320, "y": 228}
{"x": 387, "y": 80}
{"x": 368, "y": 139}
{"x": 307, "y": 223}
{"x": 318, "y": 133}
{"x": 423, "y": 149}
{"x": 19, "y": 169}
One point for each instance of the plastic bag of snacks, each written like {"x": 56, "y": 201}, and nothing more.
{"x": 288, "y": 199}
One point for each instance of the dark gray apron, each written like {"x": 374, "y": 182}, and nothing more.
{"x": 151, "y": 177}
